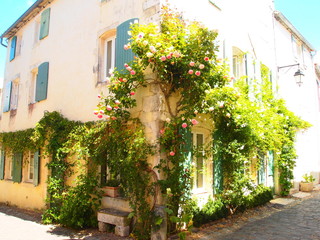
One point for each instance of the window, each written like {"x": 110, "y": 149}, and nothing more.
{"x": 16, "y": 171}
{"x": 237, "y": 63}
{"x": 13, "y": 46}
{"x": 109, "y": 56}
{"x": 198, "y": 160}
{"x": 44, "y": 23}
{"x": 113, "y": 54}
{"x": 10, "y": 168}
{"x": 31, "y": 166}
{"x": 296, "y": 48}
{"x": 14, "y": 95}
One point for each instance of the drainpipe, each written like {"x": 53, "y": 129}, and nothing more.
{"x": 1, "y": 42}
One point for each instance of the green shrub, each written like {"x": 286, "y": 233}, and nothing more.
{"x": 217, "y": 209}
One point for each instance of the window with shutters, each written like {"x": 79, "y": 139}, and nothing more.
{"x": 13, "y": 47}
{"x": 17, "y": 167}
{"x": 112, "y": 54}
{"x": 14, "y": 95}
{"x": 44, "y": 23}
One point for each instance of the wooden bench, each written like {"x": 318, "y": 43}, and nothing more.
{"x": 114, "y": 217}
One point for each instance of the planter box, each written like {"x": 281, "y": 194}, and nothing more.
{"x": 111, "y": 191}
{"x": 306, "y": 187}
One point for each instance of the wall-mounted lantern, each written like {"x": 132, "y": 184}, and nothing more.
{"x": 297, "y": 75}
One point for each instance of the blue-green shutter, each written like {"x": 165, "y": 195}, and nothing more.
{"x": 123, "y": 56}
{"x": 17, "y": 167}
{"x": 36, "y": 171}
{"x": 2, "y": 162}
{"x": 42, "y": 82}
{"x": 7, "y": 97}
{"x": 13, "y": 48}
{"x": 218, "y": 161}
{"x": 44, "y": 24}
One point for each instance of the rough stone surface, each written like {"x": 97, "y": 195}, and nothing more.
{"x": 102, "y": 226}
{"x": 114, "y": 217}
{"x": 122, "y": 231}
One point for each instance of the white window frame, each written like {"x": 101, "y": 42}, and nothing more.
{"x": 30, "y": 166}
{"x": 14, "y": 95}
{"x": 197, "y": 189}
{"x": 32, "y": 86}
{"x": 106, "y": 72}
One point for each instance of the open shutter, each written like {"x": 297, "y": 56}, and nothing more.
{"x": 17, "y": 167}
{"x": 44, "y": 24}
{"x": 36, "y": 171}
{"x": 2, "y": 162}
{"x": 13, "y": 48}
{"x": 217, "y": 160}
{"x": 42, "y": 82}
{"x": 123, "y": 56}
{"x": 7, "y": 97}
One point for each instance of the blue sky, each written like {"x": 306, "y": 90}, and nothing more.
{"x": 304, "y": 15}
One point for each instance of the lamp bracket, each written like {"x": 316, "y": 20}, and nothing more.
{"x": 292, "y": 65}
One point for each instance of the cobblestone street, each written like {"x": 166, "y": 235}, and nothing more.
{"x": 299, "y": 220}
{"x": 283, "y": 219}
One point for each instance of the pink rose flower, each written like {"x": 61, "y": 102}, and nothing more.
{"x": 169, "y": 56}
{"x": 195, "y": 112}
{"x": 162, "y": 131}
{"x": 192, "y": 64}
{"x": 172, "y": 153}
{"x": 126, "y": 65}
{"x": 190, "y": 71}
{"x": 201, "y": 66}
{"x": 109, "y": 108}
{"x": 194, "y": 122}
{"x": 211, "y": 109}
{"x": 95, "y": 112}
{"x": 107, "y": 117}
{"x": 184, "y": 125}
{"x": 101, "y": 111}
{"x": 100, "y": 116}
{"x": 132, "y": 93}
{"x": 117, "y": 102}
{"x": 206, "y": 59}
{"x": 124, "y": 80}
{"x": 99, "y": 96}
{"x": 132, "y": 72}
{"x": 198, "y": 73}
{"x": 113, "y": 118}
{"x": 163, "y": 58}
{"x": 116, "y": 107}
{"x": 125, "y": 47}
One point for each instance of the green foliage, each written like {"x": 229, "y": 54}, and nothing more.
{"x": 80, "y": 203}
{"x": 18, "y": 141}
{"x": 308, "y": 178}
{"x": 218, "y": 208}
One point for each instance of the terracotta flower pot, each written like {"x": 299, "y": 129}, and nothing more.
{"x": 111, "y": 191}
{"x": 306, "y": 187}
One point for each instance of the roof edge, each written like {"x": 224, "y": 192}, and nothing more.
{"x": 287, "y": 24}
{"x": 25, "y": 17}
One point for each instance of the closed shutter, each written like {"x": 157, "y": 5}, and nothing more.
{"x": 13, "y": 48}
{"x": 217, "y": 160}
{"x": 44, "y": 24}
{"x": 123, "y": 56}
{"x": 42, "y": 82}
{"x": 187, "y": 146}
{"x": 17, "y": 167}
{"x": 36, "y": 164}
{"x": 2, "y": 162}
{"x": 7, "y": 97}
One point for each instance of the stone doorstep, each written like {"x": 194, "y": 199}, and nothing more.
{"x": 114, "y": 217}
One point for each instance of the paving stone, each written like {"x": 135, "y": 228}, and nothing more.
{"x": 298, "y": 221}
{"x": 301, "y": 195}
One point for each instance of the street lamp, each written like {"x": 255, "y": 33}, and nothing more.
{"x": 297, "y": 75}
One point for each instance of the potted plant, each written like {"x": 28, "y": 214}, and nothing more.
{"x": 307, "y": 184}
{"x": 112, "y": 188}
